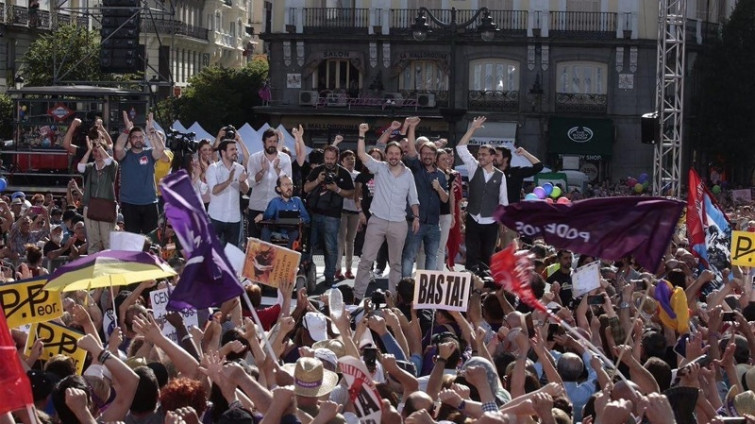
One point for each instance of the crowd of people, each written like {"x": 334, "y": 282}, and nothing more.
{"x": 672, "y": 345}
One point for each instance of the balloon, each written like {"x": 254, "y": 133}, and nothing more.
{"x": 548, "y": 200}
{"x": 643, "y": 178}
{"x": 23, "y": 108}
{"x": 539, "y": 192}
{"x": 631, "y": 181}
{"x": 556, "y": 192}
{"x": 716, "y": 189}
{"x": 548, "y": 187}
{"x": 3, "y": 184}
{"x": 563, "y": 201}
{"x": 638, "y": 188}
{"x": 646, "y": 184}
{"x": 531, "y": 197}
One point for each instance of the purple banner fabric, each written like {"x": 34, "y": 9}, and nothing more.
{"x": 609, "y": 228}
{"x": 208, "y": 279}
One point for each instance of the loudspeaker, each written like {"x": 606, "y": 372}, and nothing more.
{"x": 650, "y": 127}
{"x": 120, "y": 51}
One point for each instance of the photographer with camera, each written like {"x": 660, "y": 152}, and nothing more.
{"x": 326, "y": 187}
{"x": 226, "y": 178}
{"x": 139, "y": 205}
{"x": 264, "y": 168}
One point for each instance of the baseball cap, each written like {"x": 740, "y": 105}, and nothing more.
{"x": 317, "y": 325}
{"x": 18, "y": 194}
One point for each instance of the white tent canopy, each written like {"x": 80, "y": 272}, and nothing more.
{"x": 200, "y": 132}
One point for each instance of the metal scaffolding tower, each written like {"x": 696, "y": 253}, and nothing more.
{"x": 669, "y": 97}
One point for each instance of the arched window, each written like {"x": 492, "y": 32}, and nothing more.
{"x": 582, "y": 77}
{"x": 491, "y": 74}
{"x": 423, "y": 75}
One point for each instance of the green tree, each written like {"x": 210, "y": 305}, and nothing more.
{"x": 218, "y": 96}
{"x": 725, "y": 125}
{"x": 72, "y": 50}
{"x": 7, "y": 109}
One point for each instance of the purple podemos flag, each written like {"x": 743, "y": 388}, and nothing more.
{"x": 609, "y": 228}
{"x": 208, "y": 279}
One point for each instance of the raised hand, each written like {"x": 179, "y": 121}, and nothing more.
{"x": 147, "y": 327}
{"x": 478, "y": 122}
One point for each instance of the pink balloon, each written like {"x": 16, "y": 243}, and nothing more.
{"x": 548, "y": 200}
{"x": 563, "y": 201}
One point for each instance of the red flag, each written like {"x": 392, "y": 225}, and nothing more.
{"x": 513, "y": 270}
{"x": 15, "y": 388}
{"x": 696, "y": 216}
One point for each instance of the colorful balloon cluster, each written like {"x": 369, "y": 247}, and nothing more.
{"x": 547, "y": 193}
{"x": 639, "y": 184}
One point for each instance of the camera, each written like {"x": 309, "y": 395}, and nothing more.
{"x": 178, "y": 141}
{"x": 230, "y": 132}
{"x": 330, "y": 177}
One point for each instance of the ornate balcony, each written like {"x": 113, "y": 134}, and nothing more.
{"x": 509, "y": 22}
{"x": 173, "y": 27}
{"x": 578, "y": 102}
{"x": 336, "y": 20}
{"x": 493, "y": 101}
{"x": 584, "y": 25}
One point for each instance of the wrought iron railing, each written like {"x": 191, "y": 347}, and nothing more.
{"x": 591, "y": 25}
{"x": 579, "y": 102}
{"x": 486, "y": 100}
{"x": 173, "y": 27}
{"x": 510, "y": 22}
{"x": 335, "y": 19}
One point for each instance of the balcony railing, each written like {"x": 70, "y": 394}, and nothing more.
{"x": 589, "y": 25}
{"x": 173, "y": 27}
{"x": 578, "y": 102}
{"x": 334, "y": 19}
{"x": 510, "y": 22}
{"x": 484, "y": 100}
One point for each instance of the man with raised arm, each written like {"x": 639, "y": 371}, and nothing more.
{"x": 394, "y": 189}
{"x": 487, "y": 190}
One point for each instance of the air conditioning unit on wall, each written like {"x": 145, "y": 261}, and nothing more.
{"x": 426, "y": 100}
{"x": 308, "y": 98}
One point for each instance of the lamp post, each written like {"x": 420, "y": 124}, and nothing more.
{"x": 19, "y": 81}
{"x": 420, "y": 31}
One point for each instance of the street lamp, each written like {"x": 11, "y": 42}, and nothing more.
{"x": 19, "y": 82}
{"x": 154, "y": 83}
{"x": 420, "y": 30}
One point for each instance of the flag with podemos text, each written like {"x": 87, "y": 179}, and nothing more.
{"x": 609, "y": 228}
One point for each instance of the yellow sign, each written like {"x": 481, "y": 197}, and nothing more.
{"x": 743, "y": 248}
{"x": 57, "y": 340}
{"x": 27, "y": 302}
{"x": 269, "y": 264}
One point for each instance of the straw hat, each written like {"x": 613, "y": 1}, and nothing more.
{"x": 311, "y": 379}
{"x": 744, "y": 403}
{"x": 334, "y": 345}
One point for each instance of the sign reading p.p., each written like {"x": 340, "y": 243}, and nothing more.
{"x": 742, "y": 248}
{"x": 28, "y": 302}
{"x": 57, "y": 340}
{"x": 442, "y": 290}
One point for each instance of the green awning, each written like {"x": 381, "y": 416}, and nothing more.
{"x": 580, "y": 136}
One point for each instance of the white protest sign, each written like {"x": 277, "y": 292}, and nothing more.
{"x": 123, "y": 240}
{"x": 159, "y": 304}
{"x": 744, "y": 194}
{"x": 585, "y": 278}
{"x": 362, "y": 390}
{"x": 108, "y": 323}
{"x": 442, "y": 290}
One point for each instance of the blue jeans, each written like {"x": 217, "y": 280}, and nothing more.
{"x": 227, "y": 232}
{"x": 429, "y": 235}
{"x": 326, "y": 227}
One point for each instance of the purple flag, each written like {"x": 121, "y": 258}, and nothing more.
{"x": 208, "y": 279}
{"x": 608, "y": 228}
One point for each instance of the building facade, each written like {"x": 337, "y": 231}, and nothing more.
{"x": 566, "y": 79}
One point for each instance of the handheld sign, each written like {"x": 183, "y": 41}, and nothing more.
{"x": 159, "y": 300}
{"x": 742, "y": 248}
{"x": 27, "y": 302}
{"x": 269, "y": 264}
{"x": 442, "y": 290}
{"x": 585, "y": 278}
{"x": 362, "y": 390}
{"x": 57, "y": 340}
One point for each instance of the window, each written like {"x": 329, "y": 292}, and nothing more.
{"x": 582, "y": 77}
{"x": 583, "y": 5}
{"x": 494, "y": 75}
{"x": 423, "y": 75}
{"x": 337, "y": 74}
{"x": 218, "y": 22}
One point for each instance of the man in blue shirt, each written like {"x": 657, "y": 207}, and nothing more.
{"x": 285, "y": 202}
{"x": 138, "y": 195}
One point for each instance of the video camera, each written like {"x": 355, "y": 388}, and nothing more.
{"x": 178, "y": 141}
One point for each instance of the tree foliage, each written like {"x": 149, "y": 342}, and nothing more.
{"x": 7, "y": 110}
{"x": 74, "y": 49}
{"x": 218, "y": 96}
{"x": 726, "y": 124}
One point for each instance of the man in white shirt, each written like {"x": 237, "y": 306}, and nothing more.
{"x": 487, "y": 190}
{"x": 264, "y": 168}
{"x": 225, "y": 179}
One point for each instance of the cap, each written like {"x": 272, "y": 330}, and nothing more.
{"x": 317, "y": 325}
{"x": 328, "y": 358}
{"x": 18, "y": 194}
{"x": 55, "y": 227}
{"x": 17, "y": 201}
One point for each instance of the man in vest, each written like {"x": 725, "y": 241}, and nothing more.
{"x": 487, "y": 190}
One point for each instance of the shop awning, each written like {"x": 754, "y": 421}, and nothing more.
{"x": 581, "y": 136}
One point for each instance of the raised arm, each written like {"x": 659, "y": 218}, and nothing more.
{"x": 299, "y": 147}
{"x": 361, "y": 152}
{"x": 158, "y": 143}
{"x": 411, "y": 124}
{"x": 68, "y": 139}
{"x": 477, "y": 123}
